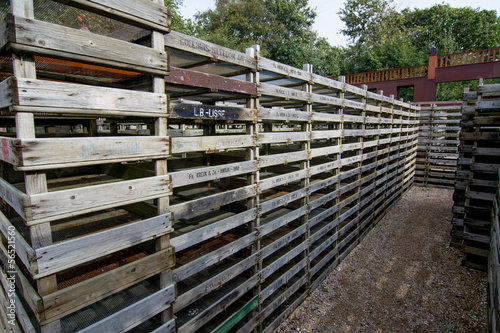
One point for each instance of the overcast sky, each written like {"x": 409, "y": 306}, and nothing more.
{"x": 328, "y": 23}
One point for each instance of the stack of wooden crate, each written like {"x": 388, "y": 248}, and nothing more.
{"x": 87, "y": 258}
{"x": 476, "y": 175}
{"x": 261, "y": 177}
{"x": 438, "y": 142}
{"x": 494, "y": 265}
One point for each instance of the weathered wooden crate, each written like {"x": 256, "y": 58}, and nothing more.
{"x": 271, "y": 175}
{"x": 438, "y": 143}
{"x": 477, "y": 172}
{"x": 77, "y": 222}
{"x": 494, "y": 266}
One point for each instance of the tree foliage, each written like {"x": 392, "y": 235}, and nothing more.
{"x": 282, "y": 28}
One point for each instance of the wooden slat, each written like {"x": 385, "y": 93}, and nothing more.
{"x": 211, "y": 143}
{"x": 38, "y": 154}
{"x": 57, "y": 41}
{"x": 143, "y": 13}
{"x": 58, "y": 97}
{"x": 73, "y": 298}
{"x": 60, "y": 256}
{"x": 71, "y": 202}
{"x": 135, "y": 314}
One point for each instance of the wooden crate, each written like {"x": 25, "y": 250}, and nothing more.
{"x": 271, "y": 175}
{"x": 494, "y": 266}
{"x": 438, "y": 143}
{"x": 82, "y": 239}
{"x": 479, "y": 159}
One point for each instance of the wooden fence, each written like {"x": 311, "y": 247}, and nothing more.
{"x": 155, "y": 182}
{"x": 438, "y": 141}
{"x": 476, "y": 177}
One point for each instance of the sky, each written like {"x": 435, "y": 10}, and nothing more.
{"x": 328, "y": 23}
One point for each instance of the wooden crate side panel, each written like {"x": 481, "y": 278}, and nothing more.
{"x": 53, "y": 40}
{"x": 60, "y": 97}
{"x": 211, "y": 143}
{"x": 65, "y": 301}
{"x": 59, "y": 256}
{"x": 66, "y": 203}
{"x": 140, "y": 12}
{"x": 37, "y": 154}
{"x": 135, "y": 314}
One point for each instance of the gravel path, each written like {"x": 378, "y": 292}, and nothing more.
{"x": 403, "y": 277}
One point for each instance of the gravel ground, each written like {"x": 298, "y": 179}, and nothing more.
{"x": 403, "y": 277}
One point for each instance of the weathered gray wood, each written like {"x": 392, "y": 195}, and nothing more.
{"x": 58, "y": 97}
{"x": 283, "y": 70}
{"x": 213, "y": 283}
{"x": 53, "y": 40}
{"x": 281, "y": 159}
{"x": 282, "y": 220}
{"x": 56, "y": 257}
{"x": 168, "y": 327}
{"x": 215, "y": 201}
{"x": 212, "y": 230}
{"x": 203, "y": 174}
{"x": 211, "y": 143}
{"x": 212, "y": 258}
{"x": 15, "y": 198}
{"x": 281, "y": 180}
{"x": 283, "y": 279}
{"x": 75, "y": 297}
{"x": 143, "y": 13}
{"x": 71, "y": 202}
{"x": 283, "y": 241}
{"x": 288, "y": 137}
{"x": 194, "y": 45}
{"x": 333, "y": 134}
{"x": 282, "y": 200}
{"x": 286, "y": 93}
{"x": 38, "y": 154}
{"x": 136, "y": 313}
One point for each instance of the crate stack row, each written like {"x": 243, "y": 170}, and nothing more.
{"x": 479, "y": 160}
{"x": 494, "y": 265}
{"x": 438, "y": 143}
{"x": 280, "y": 173}
{"x": 78, "y": 251}
{"x": 258, "y": 177}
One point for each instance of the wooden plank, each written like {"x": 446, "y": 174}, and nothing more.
{"x": 238, "y": 316}
{"x": 213, "y": 283}
{"x": 283, "y": 241}
{"x": 283, "y": 220}
{"x": 59, "y": 256}
{"x": 283, "y": 260}
{"x": 60, "y": 97}
{"x": 57, "y": 41}
{"x": 281, "y": 159}
{"x": 212, "y": 230}
{"x": 286, "y": 93}
{"x": 168, "y": 327}
{"x": 143, "y": 13}
{"x": 286, "y": 115}
{"x": 8, "y": 93}
{"x": 38, "y": 154}
{"x": 9, "y": 151}
{"x": 209, "y": 112}
{"x": 215, "y": 201}
{"x": 135, "y": 314}
{"x": 65, "y": 301}
{"x": 15, "y": 198}
{"x": 282, "y": 200}
{"x": 284, "y": 70}
{"x": 281, "y": 180}
{"x": 280, "y": 281}
{"x": 24, "y": 251}
{"x": 212, "y": 258}
{"x": 213, "y": 82}
{"x": 211, "y": 144}
{"x": 213, "y": 51}
{"x": 325, "y": 134}
{"x": 218, "y": 306}
{"x": 278, "y": 137}
{"x": 71, "y": 202}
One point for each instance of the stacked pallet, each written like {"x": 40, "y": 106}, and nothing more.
{"x": 78, "y": 252}
{"x": 261, "y": 177}
{"x": 438, "y": 142}
{"x": 494, "y": 265}
{"x": 309, "y": 166}
{"x": 479, "y": 160}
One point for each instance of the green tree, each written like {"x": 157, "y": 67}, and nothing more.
{"x": 283, "y": 29}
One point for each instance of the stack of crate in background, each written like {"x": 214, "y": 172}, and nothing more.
{"x": 260, "y": 177}
{"x": 86, "y": 255}
{"x": 477, "y": 181}
{"x": 438, "y": 140}
{"x": 263, "y": 213}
